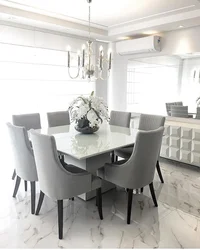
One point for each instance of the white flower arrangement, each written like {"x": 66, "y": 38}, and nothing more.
{"x": 88, "y": 111}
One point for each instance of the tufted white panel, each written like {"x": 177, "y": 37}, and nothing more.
{"x": 181, "y": 144}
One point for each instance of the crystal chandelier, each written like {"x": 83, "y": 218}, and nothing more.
{"x": 85, "y": 67}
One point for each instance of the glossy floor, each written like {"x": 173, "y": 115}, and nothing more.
{"x": 174, "y": 224}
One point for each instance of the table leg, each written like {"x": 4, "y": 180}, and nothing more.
{"x": 91, "y": 165}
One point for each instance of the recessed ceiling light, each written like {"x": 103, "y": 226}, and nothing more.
{"x": 124, "y": 38}
{"x": 150, "y": 32}
{"x": 181, "y": 26}
{"x": 104, "y": 41}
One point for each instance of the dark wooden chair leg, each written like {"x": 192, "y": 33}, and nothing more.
{"x": 25, "y": 186}
{"x": 112, "y": 156}
{"x": 14, "y": 174}
{"x": 153, "y": 194}
{"x": 18, "y": 180}
{"x": 32, "y": 197}
{"x": 130, "y": 197}
{"x": 60, "y": 219}
{"x": 99, "y": 202}
{"x": 41, "y": 198}
{"x": 159, "y": 171}
{"x": 141, "y": 190}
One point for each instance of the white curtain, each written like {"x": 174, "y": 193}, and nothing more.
{"x": 36, "y": 80}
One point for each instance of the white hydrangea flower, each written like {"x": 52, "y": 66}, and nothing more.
{"x": 92, "y": 107}
{"x": 92, "y": 118}
{"x": 82, "y": 111}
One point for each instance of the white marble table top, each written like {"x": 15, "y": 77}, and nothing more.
{"x": 82, "y": 146}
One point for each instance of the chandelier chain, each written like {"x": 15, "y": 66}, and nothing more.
{"x": 89, "y": 18}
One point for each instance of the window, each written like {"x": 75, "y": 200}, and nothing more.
{"x": 150, "y": 86}
{"x": 36, "y": 80}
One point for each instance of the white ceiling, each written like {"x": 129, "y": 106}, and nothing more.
{"x": 111, "y": 19}
{"x": 109, "y": 12}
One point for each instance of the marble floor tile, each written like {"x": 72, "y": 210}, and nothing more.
{"x": 174, "y": 224}
{"x": 177, "y": 230}
{"x": 179, "y": 191}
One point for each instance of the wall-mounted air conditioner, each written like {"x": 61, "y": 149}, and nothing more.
{"x": 140, "y": 45}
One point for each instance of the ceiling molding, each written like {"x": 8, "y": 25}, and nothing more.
{"x": 38, "y": 17}
{"x": 28, "y": 27}
{"x": 136, "y": 27}
{"x": 51, "y": 20}
{"x": 43, "y": 12}
{"x": 152, "y": 16}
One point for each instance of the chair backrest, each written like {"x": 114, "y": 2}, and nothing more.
{"x": 55, "y": 182}
{"x": 169, "y": 104}
{"x": 139, "y": 170}
{"x": 179, "y": 111}
{"x": 29, "y": 121}
{"x": 178, "y": 103}
{"x": 151, "y": 122}
{"x": 119, "y": 118}
{"x": 198, "y": 113}
{"x": 59, "y": 118}
{"x": 22, "y": 152}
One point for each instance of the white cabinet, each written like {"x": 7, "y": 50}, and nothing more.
{"x": 181, "y": 143}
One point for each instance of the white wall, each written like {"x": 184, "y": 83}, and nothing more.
{"x": 117, "y": 83}
{"x": 173, "y": 43}
{"x": 190, "y": 88}
{"x": 176, "y": 42}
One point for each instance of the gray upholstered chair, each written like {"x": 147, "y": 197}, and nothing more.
{"x": 28, "y": 121}
{"x": 59, "y": 118}
{"x": 169, "y": 104}
{"x": 60, "y": 181}
{"x": 138, "y": 170}
{"x": 24, "y": 160}
{"x": 179, "y": 111}
{"x": 119, "y": 118}
{"x": 147, "y": 122}
{"x": 198, "y": 113}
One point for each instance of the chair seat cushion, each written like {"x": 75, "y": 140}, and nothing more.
{"x": 124, "y": 152}
{"x": 73, "y": 169}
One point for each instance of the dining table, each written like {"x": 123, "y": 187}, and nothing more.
{"x": 90, "y": 151}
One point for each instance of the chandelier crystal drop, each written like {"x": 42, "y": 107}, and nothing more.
{"x": 86, "y": 67}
